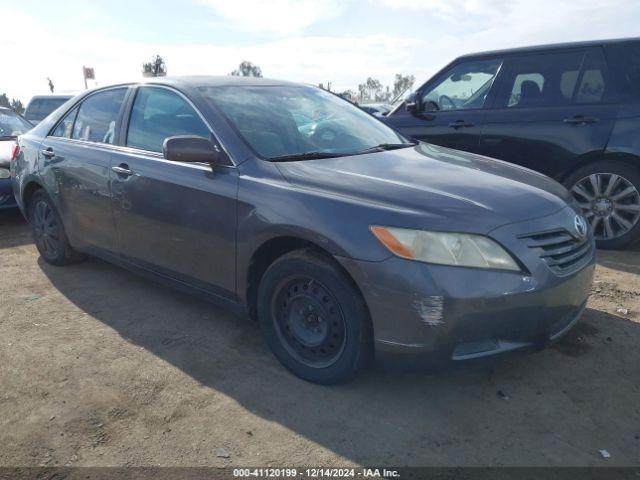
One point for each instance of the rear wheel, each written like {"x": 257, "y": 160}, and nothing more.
{"x": 48, "y": 232}
{"x": 608, "y": 193}
{"x": 314, "y": 318}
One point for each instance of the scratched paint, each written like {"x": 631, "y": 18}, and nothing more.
{"x": 430, "y": 310}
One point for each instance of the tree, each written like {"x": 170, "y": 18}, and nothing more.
{"x": 14, "y": 104}
{"x": 370, "y": 90}
{"x": 17, "y": 106}
{"x": 247, "y": 69}
{"x": 155, "y": 68}
{"x": 348, "y": 95}
{"x": 402, "y": 83}
{"x": 51, "y": 87}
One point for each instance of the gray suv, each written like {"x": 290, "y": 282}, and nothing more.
{"x": 343, "y": 238}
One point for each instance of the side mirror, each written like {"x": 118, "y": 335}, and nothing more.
{"x": 412, "y": 102}
{"x": 190, "y": 148}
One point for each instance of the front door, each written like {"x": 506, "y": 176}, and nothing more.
{"x": 174, "y": 218}
{"x": 450, "y": 108}
{"x": 550, "y": 110}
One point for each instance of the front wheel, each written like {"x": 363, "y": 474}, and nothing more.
{"x": 608, "y": 193}
{"x": 314, "y": 318}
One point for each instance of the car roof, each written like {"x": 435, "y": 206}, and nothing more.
{"x": 195, "y": 81}
{"x": 552, "y": 46}
{"x": 56, "y": 95}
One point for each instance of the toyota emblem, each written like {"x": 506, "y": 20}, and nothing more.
{"x": 581, "y": 226}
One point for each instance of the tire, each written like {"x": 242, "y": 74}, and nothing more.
{"x": 314, "y": 318}
{"x": 48, "y": 232}
{"x": 621, "y": 213}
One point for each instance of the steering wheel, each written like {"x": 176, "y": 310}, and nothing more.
{"x": 324, "y": 136}
{"x": 448, "y": 99}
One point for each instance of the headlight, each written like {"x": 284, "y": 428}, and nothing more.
{"x": 462, "y": 249}
{"x": 5, "y": 173}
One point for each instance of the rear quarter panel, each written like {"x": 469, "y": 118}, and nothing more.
{"x": 24, "y": 169}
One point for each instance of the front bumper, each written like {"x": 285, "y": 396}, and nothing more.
{"x": 428, "y": 313}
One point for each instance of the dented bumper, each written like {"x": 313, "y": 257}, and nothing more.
{"x": 433, "y": 312}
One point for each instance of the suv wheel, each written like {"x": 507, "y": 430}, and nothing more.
{"x": 609, "y": 194}
{"x": 48, "y": 231}
{"x": 313, "y": 318}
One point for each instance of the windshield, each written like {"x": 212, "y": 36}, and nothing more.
{"x": 285, "y": 121}
{"x": 11, "y": 124}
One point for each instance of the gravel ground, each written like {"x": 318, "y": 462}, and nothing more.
{"x": 101, "y": 367}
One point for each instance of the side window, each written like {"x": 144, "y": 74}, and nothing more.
{"x": 159, "y": 113}
{"x": 96, "y": 119}
{"x": 539, "y": 80}
{"x": 64, "y": 127}
{"x": 624, "y": 62}
{"x": 593, "y": 84}
{"x": 463, "y": 87}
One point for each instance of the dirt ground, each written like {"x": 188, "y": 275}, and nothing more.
{"x": 101, "y": 367}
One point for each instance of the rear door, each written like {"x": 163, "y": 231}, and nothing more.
{"x": 550, "y": 110}
{"x": 451, "y": 106}
{"x": 75, "y": 160}
{"x": 175, "y": 218}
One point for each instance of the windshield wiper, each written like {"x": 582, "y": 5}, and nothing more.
{"x": 304, "y": 156}
{"x": 386, "y": 146}
{"x": 8, "y": 137}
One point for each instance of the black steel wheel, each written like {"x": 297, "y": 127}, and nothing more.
{"x": 314, "y": 318}
{"x": 309, "y": 321}
{"x": 48, "y": 232}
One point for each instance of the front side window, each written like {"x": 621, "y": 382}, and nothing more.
{"x": 540, "y": 80}
{"x": 97, "y": 117}
{"x": 463, "y": 87}
{"x": 278, "y": 121}
{"x": 159, "y": 113}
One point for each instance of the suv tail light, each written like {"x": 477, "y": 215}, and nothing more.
{"x": 14, "y": 152}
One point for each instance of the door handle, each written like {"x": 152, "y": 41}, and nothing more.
{"x": 460, "y": 124}
{"x": 123, "y": 170}
{"x": 580, "y": 120}
{"x": 48, "y": 152}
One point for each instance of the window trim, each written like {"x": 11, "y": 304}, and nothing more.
{"x": 127, "y": 120}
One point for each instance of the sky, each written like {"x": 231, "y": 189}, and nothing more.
{"x": 309, "y": 41}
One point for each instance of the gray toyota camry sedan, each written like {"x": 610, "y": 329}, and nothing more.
{"x": 344, "y": 239}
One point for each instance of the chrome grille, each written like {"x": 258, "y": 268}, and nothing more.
{"x": 560, "y": 250}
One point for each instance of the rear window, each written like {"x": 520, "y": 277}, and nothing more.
{"x": 39, "y": 108}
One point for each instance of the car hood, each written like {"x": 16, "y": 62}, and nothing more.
{"x": 456, "y": 190}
